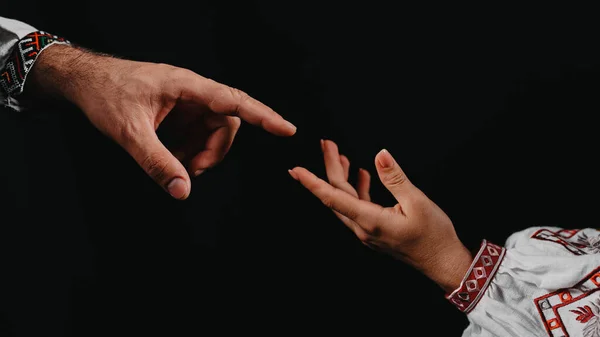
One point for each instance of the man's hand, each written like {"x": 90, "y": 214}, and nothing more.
{"x": 128, "y": 100}
{"x": 415, "y": 230}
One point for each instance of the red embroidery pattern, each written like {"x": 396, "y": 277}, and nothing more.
{"x": 22, "y": 58}
{"x": 574, "y": 310}
{"x": 478, "y": 277}
{"x": 574, "y": 240}
{"x": 583, "y": 314}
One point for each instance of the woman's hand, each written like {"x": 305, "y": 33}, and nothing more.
{"x": 415, "y": 230}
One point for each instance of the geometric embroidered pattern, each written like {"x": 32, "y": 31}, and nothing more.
{"x": 478, "y": 277}
{"x": 575, "y": 241}
{"x": 573, "y": 311}
{"x": 22, "y": 58}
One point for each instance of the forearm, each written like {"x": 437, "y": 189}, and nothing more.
{"x": 67, "y": 72}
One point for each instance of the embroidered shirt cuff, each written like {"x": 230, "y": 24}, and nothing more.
{"x": 20, "y": 62}
{"x": 478, "y": 277}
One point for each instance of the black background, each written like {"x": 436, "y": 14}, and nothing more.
{"x": 489, "y": 110}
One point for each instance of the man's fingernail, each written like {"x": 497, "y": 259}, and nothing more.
{"x": 385, "y": 159}
{"x": 198, "y": 172}
{"x": 291, "y": 126}
{"x": 293, "y": 174}
{"x": 177, "y": 188}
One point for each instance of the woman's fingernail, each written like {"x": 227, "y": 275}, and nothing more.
{"x": 177, "y": 188}
{"x": 293, "y": 174}
{"x": 198, "y": 172}
{"x": 385, "y": 159}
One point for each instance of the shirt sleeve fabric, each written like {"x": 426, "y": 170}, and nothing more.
{"x": 545, "y": 281}
{"x": 20, "y": 45}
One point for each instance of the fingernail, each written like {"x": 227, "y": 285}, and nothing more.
{"x": 322, "y": 145}
{"x": 291, "y": 126}
{"x": 177, "y": 188}
{"x": 293, "y": 174}
{"x": 198, "y": 172}
{"x": 385, "y": 159}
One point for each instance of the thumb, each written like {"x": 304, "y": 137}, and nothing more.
{"x": 391, "y": 175}
{"x": 158, "y": 162}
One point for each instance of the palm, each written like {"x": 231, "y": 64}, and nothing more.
{"x": 389, "y": 229}
{"x": 415, "y": 230}
{"x": 198, "y": 137}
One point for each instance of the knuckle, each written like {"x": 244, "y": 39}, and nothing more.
{"x": 239, "y": 99}
{"x": 177, "y": 73}
{"x": 166, "y": 66}
{"x": 227, "y": 100}
{"x": 352, "y": 213}
{"x": 395, "y": 178}
{"x": 155, "y": 166}
{"x": 172, "y": 74}
{"x": 237, "y": 93}
{"x": 327, "y": 200}
{"x": 174, "y": 80}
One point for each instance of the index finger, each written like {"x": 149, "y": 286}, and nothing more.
{"x": 224, "y": 99}
{"x": 362, "y": 212}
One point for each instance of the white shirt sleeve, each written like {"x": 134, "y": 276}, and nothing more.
{"x": 20, "y": 45}
{"x": 11, "y": 31}
{"x": 545, "y": 281}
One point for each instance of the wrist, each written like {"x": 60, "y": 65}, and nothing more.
{"x": 448, "y": 266}
{"x": 67, "y": 72}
